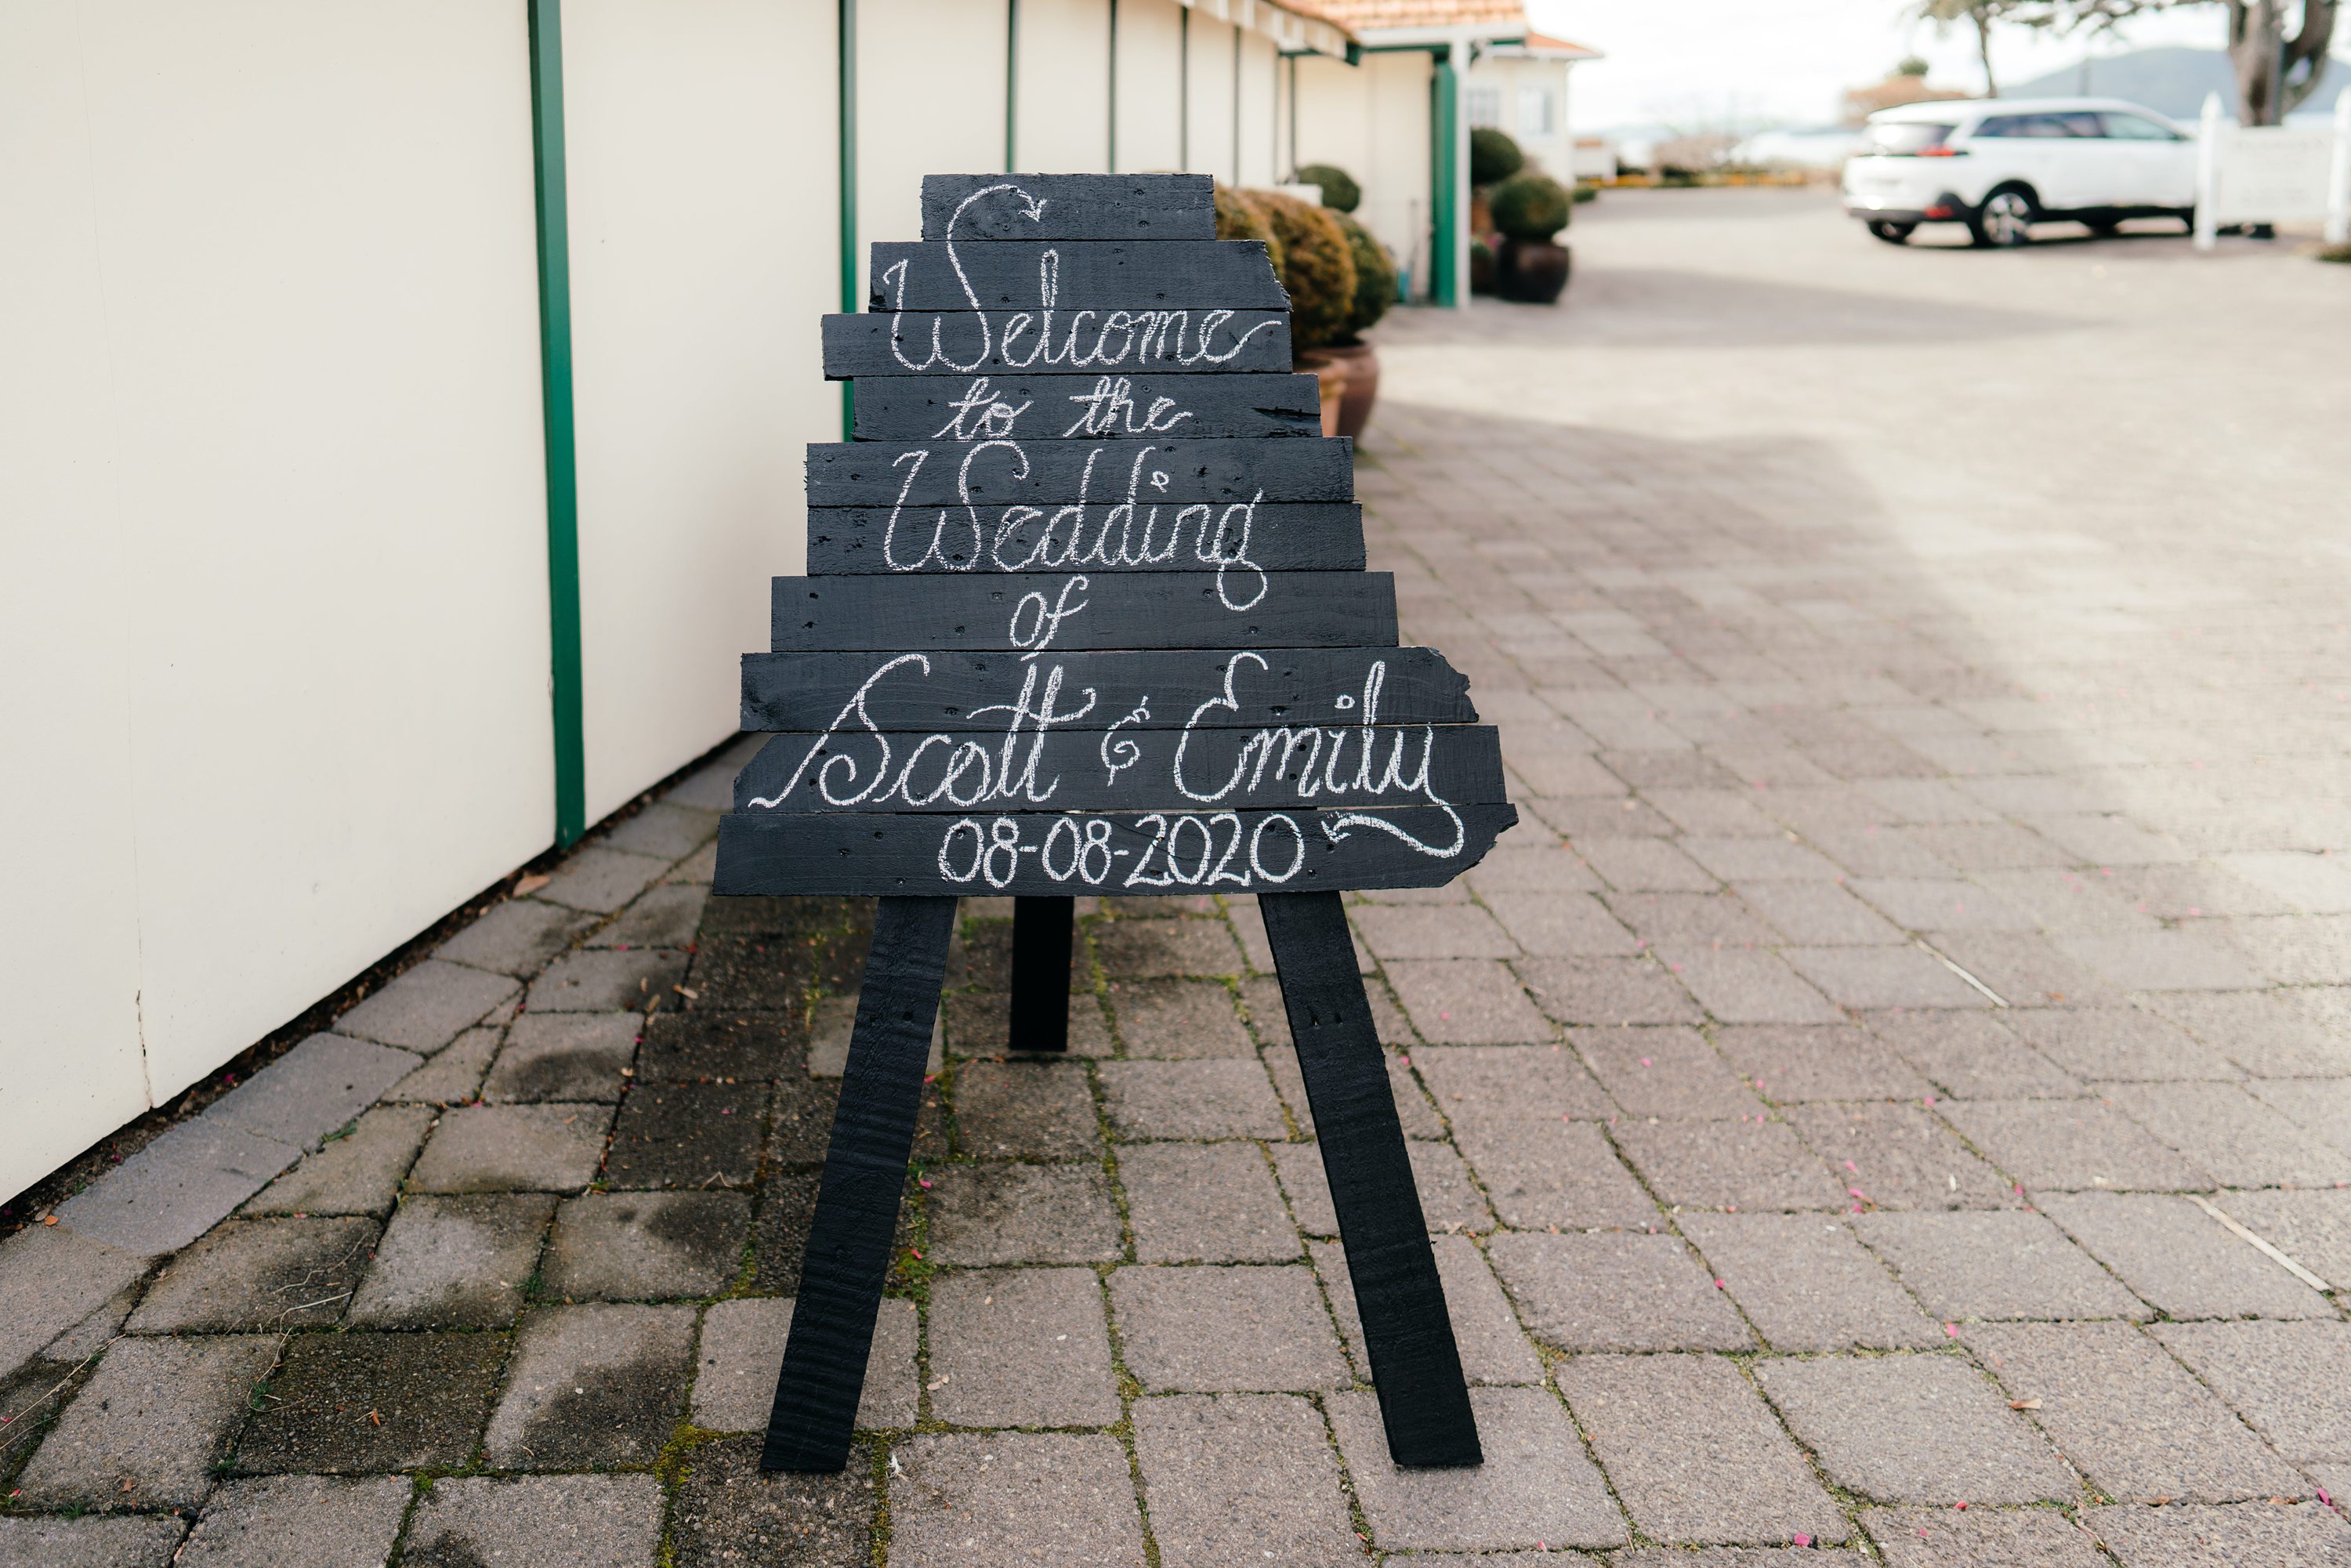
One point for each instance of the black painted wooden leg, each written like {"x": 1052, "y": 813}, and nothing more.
{"x": 1415, "y": 1365}
{"x": 1040, "y": 972}
{"x": 864, "y": 1172}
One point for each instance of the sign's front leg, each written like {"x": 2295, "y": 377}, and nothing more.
{"x": 1415, "y": 1365}
{"x": 864, "y": 1174}
{"x": 1041, "y": 929}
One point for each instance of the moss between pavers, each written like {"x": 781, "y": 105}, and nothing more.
{"x": 362, "y": 1403}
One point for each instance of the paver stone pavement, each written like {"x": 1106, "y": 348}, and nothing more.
{"x": 1929, "y": 880}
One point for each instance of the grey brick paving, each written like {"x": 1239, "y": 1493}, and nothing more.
{"x": 501, "y": 1148}
{"x": 728, "y": 1511}
{"x": 1176, "y": 1020}
{"x": 177, "y": 1188}
{"x": 1242, "y": 1478}
{"x": 455, "y": 1073}
{"x": 2314, "y": 1229}
{"x": 599, "y": 880}
{"x": 518, "y": 937}
{"x": 122, "y": 1540}
{"x": 1413, "y": 1109}
{"x": 2180, "y": 1259}
{"x": 1023, "y": 1214}
{"x": 1666, "y": 1073}
{"x": 2246, "y": 1535}
{"x": 743, "y": 1350}
{"x": 157, "y": 1414}
{"x": 1494, "y": 1349}
{"x": 1021, "y": 1347}
{"x": 1693, "y": 1453}
{"x": 1204, "y": 1331}
{"x": 318, "y": 1086}
{"x": 360, "y": 1173}
{"x": 1553, "y": 1174}
{"x": 2291, "y": 1380}
{"x": 1729, "y": 1164}
{"x": 1536, "y": 1486}
{"x": 2137, "y": 1426}
{"x": 365, "y": 1403}
{"x": 50, "y": 1280}
{"x": 1191, "y": 1100}
{"x": 1969, "y": 1056}
{"x": 1448, "y": 1199}
{"x": 1980, "y": 1537}
{"x": 630, "y": 1245}
{"x": 968, "y": 1501}
{"x": 597, "y": 979}
{"x": 259, "y": 1276}
{"x": 1898, "y": 1156}
{"x": 1806, "y": 1284}
{"x": 667, "y": 917}
{"x": 319, "y": 1521}
{"x": 1010, "y": 1109}
{"x": 1616, "y": 1292}
{"x": 426, "y": 1008}
{"x": 1205, "y": 1203}
{"x": 1994, "y": 1265}
{"x": 453, "y": 1262}
{"x": 564, "y": 1056}
{"x": 1836, "y": 1061}
{"x": 537, "y": 1522}
{"x": 2071, "y": 1145}
{"x": 1918, "y": 1428}
{"x": 591, "y": 1386}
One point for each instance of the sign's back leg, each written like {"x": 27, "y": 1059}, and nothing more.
{"x": 1042, "y": 928}
{"x": 864, "y": 1173}
{"x": 1415, "y": 1365}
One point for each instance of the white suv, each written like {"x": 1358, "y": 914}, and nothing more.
{"x": 2001, "y": 165}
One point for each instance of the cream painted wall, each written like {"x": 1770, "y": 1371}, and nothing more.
{"x": 930, "y": 100}
{"x": 1372, "y": 120}
{"x": 1211, "y": 96}
{"x": 1551, "y": 151}
{"x": 71, "y": 1066}
{"x": 1260, "y": 97}
{"x": 704, "y": 248}
{"x": 1149, "y": 106}
{"x": 294, "y": 408}
{"x": 1063, "y": 84}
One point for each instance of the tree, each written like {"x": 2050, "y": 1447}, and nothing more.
{"x": 1982, "y": 13}
{"x": 2276, "y": 71}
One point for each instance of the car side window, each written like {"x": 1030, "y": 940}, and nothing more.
{"x": 2135, "y": 128}
{"x": 2077, "y": 122}
{"x": 2000, "y": 125}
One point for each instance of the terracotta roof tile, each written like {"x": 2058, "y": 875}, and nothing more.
{"x": 1360, "y": 14}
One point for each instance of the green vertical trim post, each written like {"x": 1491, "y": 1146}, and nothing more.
{"x": 1011, "y": 85}
{"x": 846, "y": 92}
{"x": 1110, "y": 150}
{"x": 1445, "y": 197}
{"x": 564, "y": 682}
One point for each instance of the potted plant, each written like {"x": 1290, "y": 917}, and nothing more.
{"x": 1318, "y": 268}
{"x": 1493, "y": 158}
{"x": 1531, "y": 208}
{"x": 1375, "y": 290}
{"x": 1340, "y": 191}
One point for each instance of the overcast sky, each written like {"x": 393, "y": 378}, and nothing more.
{"x": 1697, "y": 62}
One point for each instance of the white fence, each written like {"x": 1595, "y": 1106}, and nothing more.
{"x": 2273, "y": 174}
{"x": 274, "y": 587}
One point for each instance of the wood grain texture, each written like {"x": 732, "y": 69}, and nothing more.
{"x": 1277, "y": 536}
{"x": 1080, "y": 612}
{"x": 896, "y": 854}
{"x": 1078, "y": 407}
{"x": 1052, "y": 473}
{"x": 848, "y": 1256}
{"x": 1152, "y": 275}
{"x": 959, "y": 691}
{"x": 922, "y": 342}
{"x": 1415, "y": 1365}
{"x": 1069, "y": 206}
{"x": 1092, "y": 768}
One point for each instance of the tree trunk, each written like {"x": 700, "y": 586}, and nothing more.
{"x": 1982, "y": 14}
{"x": 2256, "y": 31}
{"x": 2308, "y": 48}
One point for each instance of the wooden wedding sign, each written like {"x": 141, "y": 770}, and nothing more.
{"x": 1086, "y": 612}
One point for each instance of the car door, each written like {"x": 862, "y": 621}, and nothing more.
{"x": 2028, "y": 149}
{"x": 2087, "y": 172}
{"x": 2162, "y": 163}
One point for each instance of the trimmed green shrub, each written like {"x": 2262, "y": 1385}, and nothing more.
{"x": 1238, "y": 216}
{"x": 1318, "y": 267}
{"x": 1586, "y": 193}
{"x": 1376, "y": 278}
{"x": 1531, "y": 206}
{"x": 1493, "y": 156}
{"x": 1340, "y": 191}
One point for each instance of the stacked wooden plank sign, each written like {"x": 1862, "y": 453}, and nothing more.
{"x": 1086, "y": 613}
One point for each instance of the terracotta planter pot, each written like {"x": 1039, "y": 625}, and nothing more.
{"x": 1361, "y": 363}
{"x": 1532, "y": 272}
{"x": 1332, "y": 375}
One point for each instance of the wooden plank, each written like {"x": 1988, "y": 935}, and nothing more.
{"x": 1415, "y": 1365}
{"x": 1077, "y": 407}
{"x": 962, "y": 691}
{"x": 915, "y": 342}
{"x": 1089, "y": 767}
{"x": 1154, "y": 275}
{"x": 1275, "y": 536}
{"x": 1041, "y": 930}
{"x": 1112, "y": 610}
{"x": 1052, "y": 472}
{"x": 897, "y": 853}
{"x": 848, "y": 1256}
{"x": 1069, "y": 206}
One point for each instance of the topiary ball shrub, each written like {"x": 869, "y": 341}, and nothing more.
{"x": 1531, "y": 207}
{"x": 1318, "y": 267}
{"x": 1493, "y": 156}
{"x": 1376, "y": 278}
{"x": 1340, "y": 191}
{"x": 1238, "y": 216}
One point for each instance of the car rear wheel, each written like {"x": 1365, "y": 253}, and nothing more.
{"x": 2005, "y": 220}
{"x": 1891, "y": 233}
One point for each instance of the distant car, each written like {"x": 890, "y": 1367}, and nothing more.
{"x": 2001, "y": 165}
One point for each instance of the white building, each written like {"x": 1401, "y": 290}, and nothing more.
{"x": 1521, "y": 88}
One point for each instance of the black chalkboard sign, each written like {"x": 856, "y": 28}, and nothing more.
{"x": 1087, "y": 612}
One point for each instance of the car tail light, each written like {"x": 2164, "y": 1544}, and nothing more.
{"x": 1941, "y": 152}
{"x": 1940, "y": 210}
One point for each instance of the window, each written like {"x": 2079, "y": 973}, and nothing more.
{"x": 2080, "y": 123}
{"x": 1535, "y": 107}
{"x": 1905, "y": 138}
{"x": 1485, "y": 106}
{"x": 2043, "y": 126}
{"x": 2133, "y": 128}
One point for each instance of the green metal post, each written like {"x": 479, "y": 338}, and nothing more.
{"x": 1011, "y": 84}
{"x": 545, "y": 22}
{"x": 1444, "y": 286}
